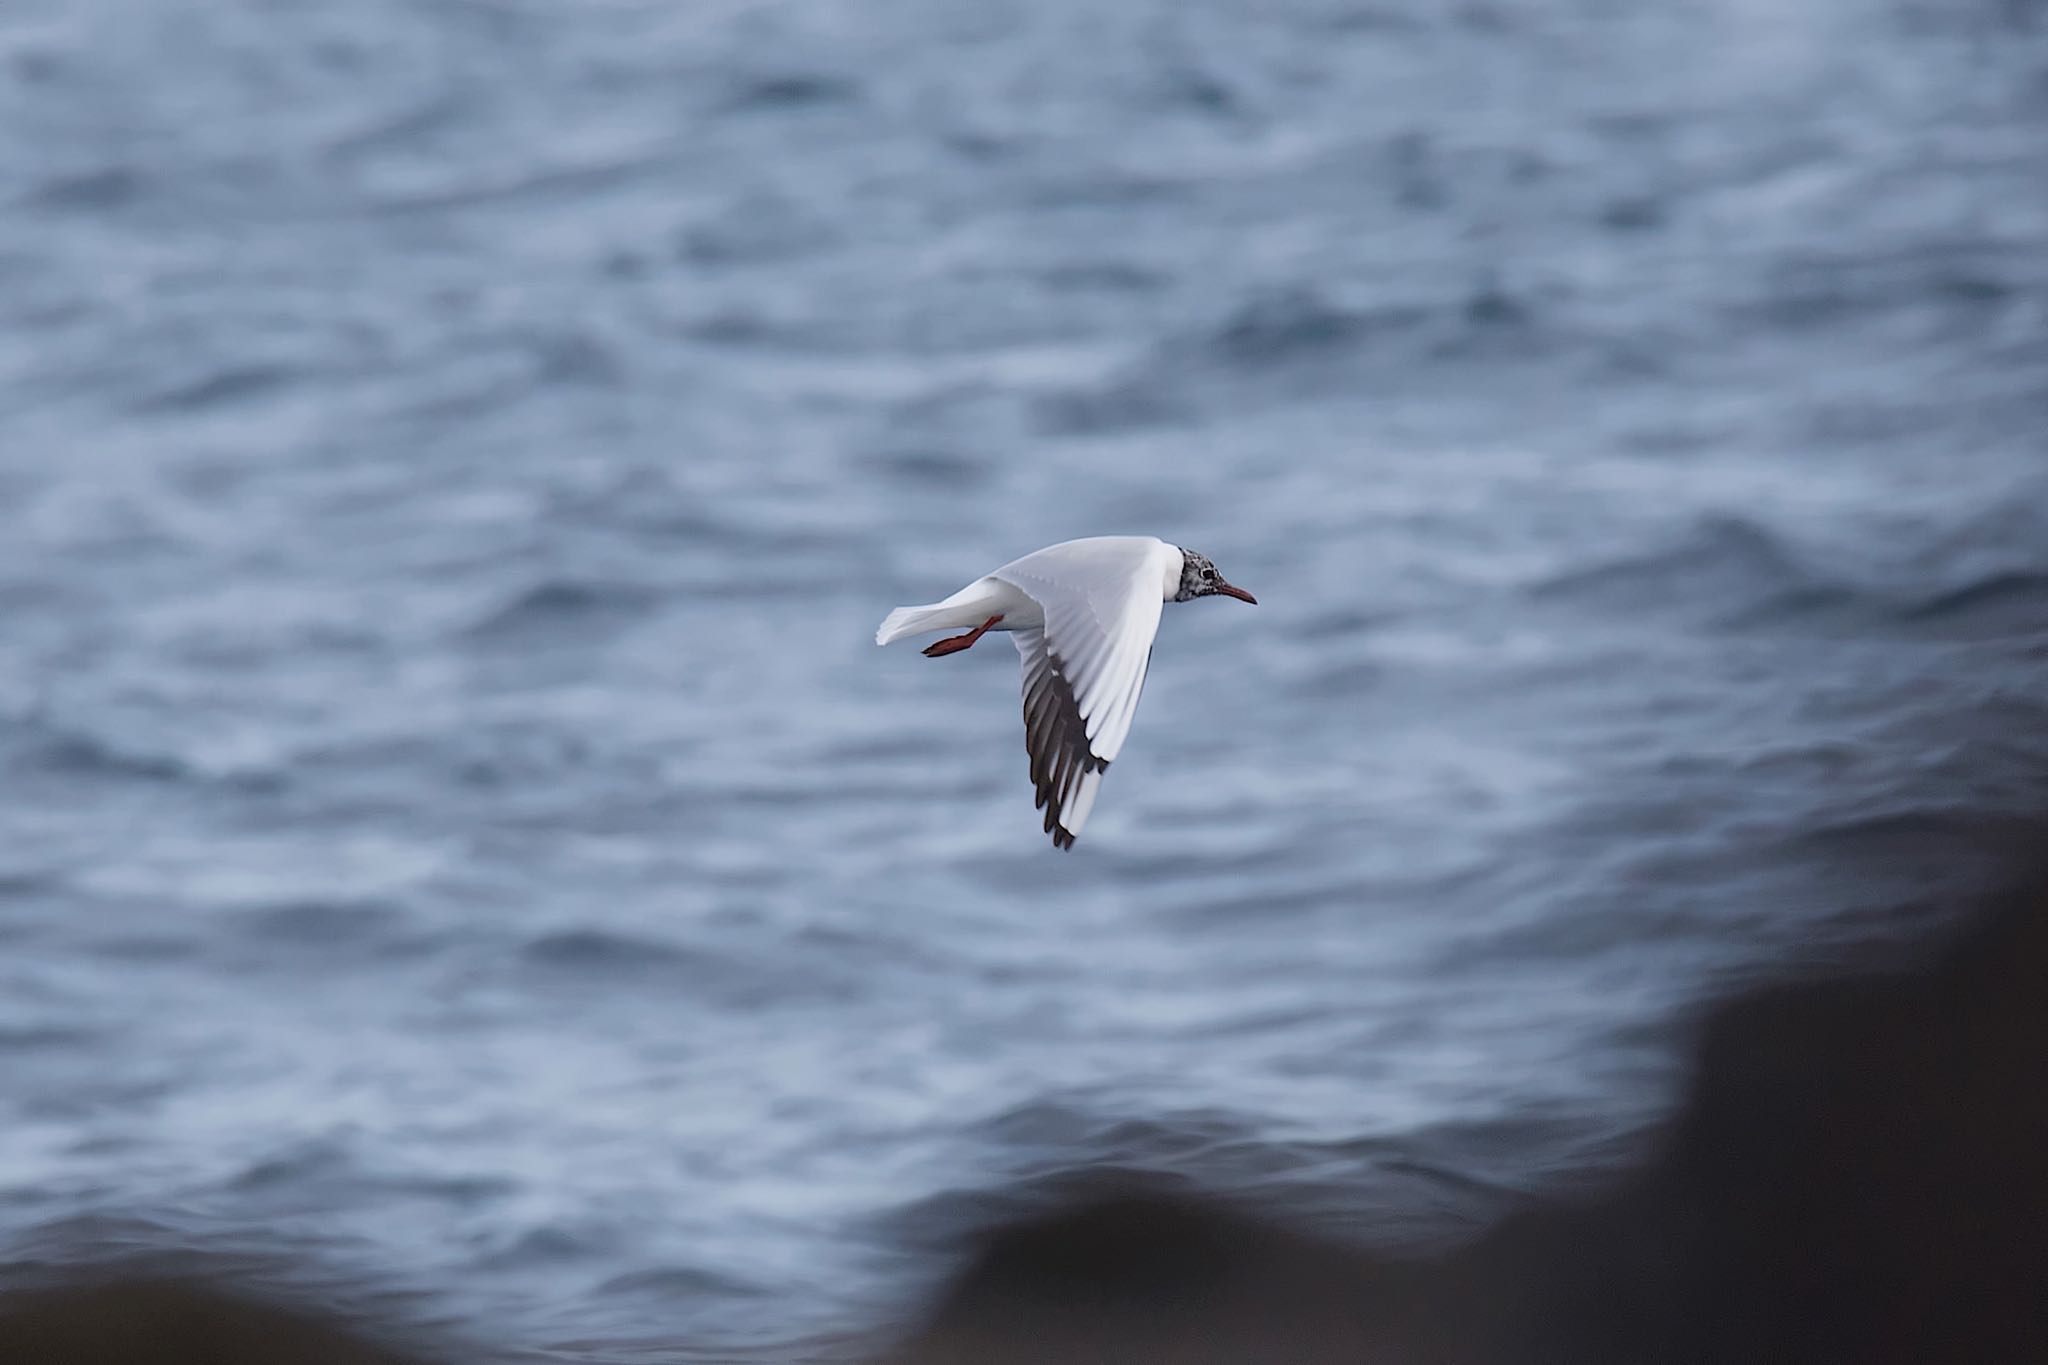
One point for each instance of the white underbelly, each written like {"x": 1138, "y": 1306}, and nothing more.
{"x": 1019, "y": 609}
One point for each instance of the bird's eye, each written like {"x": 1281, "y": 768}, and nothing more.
{"x": 1208, "y": 575}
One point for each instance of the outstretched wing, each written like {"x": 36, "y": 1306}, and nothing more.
{"x": 1084, "y": 669}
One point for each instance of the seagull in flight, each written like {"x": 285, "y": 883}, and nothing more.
{"x": 1082, "y": 615}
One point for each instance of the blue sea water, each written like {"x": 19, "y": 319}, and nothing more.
{"x": 461, "y": 851}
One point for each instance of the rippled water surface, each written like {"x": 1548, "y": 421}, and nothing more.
{"x": 457, "y": 833}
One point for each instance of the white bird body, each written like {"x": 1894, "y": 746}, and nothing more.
{"x": 1083, "y": 615}
{"x": 1100, "y": 562}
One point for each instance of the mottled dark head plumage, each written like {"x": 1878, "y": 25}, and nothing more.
{"x": 1198, "y": 578}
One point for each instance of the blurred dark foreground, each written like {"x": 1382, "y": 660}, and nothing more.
{"x": 1859, "y": 1172}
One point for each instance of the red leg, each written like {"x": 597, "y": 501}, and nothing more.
{"x": 953, "y": 644}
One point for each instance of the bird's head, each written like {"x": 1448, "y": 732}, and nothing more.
{"x": 1198, "y": 578}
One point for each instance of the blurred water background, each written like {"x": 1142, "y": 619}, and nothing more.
{"x": 457, "y": 832}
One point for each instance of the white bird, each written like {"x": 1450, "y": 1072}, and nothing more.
{"x": 1082, "y": 614}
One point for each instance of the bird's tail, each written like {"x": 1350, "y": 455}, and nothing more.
{"x": 911, "y": 620}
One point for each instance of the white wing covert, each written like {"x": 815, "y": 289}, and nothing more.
{"x": 1085, "y": 669}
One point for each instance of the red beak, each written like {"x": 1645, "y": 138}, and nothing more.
{"x": 1232, "y": 590}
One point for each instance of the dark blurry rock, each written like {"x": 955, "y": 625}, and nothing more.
{"x": 1860, "y": 1173}
{"x": 1864, "y": 1163}
{"x": 1151, "y": 1277}
{"x": 147, "y": 1322}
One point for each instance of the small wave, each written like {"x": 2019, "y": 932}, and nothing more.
{"x": 1342, "y": 678}
{"x": 1095, "y": 277}
{"x": 1346, "y": 622}
{"x": 542, "y": 1246}
{"x": 1121, "y": 405}
{"x": 574, "y": 358}
{"x": 564, "y": 606}
{"x": 319, "y": 923}
{"x": 1725, "y": 562}
{"x": 793, "y": 90}
{"x": 979, "y": 145}
{"x": 1286, "y": 324}
{"x": 232, "y": 384}
{"x": 395, "y": 131}
{"x": 1115, "y": 1138}
{"x": 85, "y": 1238}
{"x": 1286, "y": 337}
{"x": 1299, "y": 328}
{"x": 1096, "y": 190}
{"x": 64, "y": 753}
{"x": 599, "y": 950}
{"x": 324, "y": 1171}
{"x": 99, "y": 191}
{"x": 747, "y": 328}
{"x": 21, "y": 885}
{"x": 681, "y": 1282}
{"x": 84, "y": 755}
{"x": 1808, "y": 605}
{"x": 585, "y": 179}
{"x": 1639, "y": 213}
{"x": 576, "y": 959}
{"x": 307, "y": 1163}
{"x": 929, "y": 468}
{"x": 1192, "y": 88}
{"x": 46, "y": 1037}
{"x": 2014, "y": 602}
{"x": 756, "y": 230}
{"x": 147, "y": 947}
{"x": 1954, "y": 836}
{"x": 1491, "y": 305}
{"x": 1829, "y": 293}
